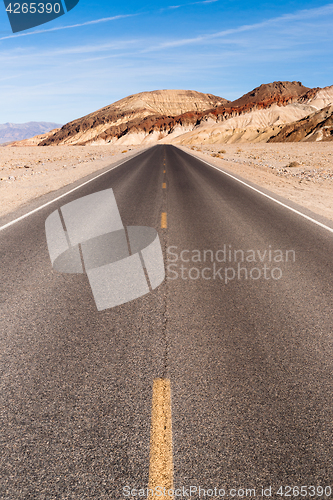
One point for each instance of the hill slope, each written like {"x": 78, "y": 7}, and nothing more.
{"x": 189, "y": 117}
{"x": 114, "y": 120}
{"x": 268, "y": 90}
{"x": 315, "y": 127}
{"x": 284, "y": 103}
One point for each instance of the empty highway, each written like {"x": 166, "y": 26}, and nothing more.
{"x": 238, "y": 339}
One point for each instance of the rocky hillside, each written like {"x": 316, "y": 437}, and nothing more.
{"x": 250, "y": 119}
{"x": 120, "y": 117}
{"x": 316, "y": 127}
{"x": 189, "y": 117}
{"x": 267, "y": 91}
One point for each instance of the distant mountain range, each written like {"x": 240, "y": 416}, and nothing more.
{"x": 273, "y": 112}
{"x": 18, "y": 131}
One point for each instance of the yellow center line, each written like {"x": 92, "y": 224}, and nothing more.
{"x": 161, "y": 462}
{"x": 163, "y": 171}
{"x": 164, "y": 185}
{"x": 164, "y": 224}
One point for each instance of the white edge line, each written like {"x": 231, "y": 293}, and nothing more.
{"x": 264, "y": 194}
{"x": 63, "y": 195}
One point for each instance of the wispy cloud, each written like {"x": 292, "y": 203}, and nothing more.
{"x": 298, "y": 16}
{"x": 98, "y": 21}
{"x": 58, "y": 28}
{"x": 203, "y": 2}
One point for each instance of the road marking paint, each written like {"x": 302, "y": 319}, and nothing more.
{"x": 266, "y": 195}
{"x": 164, "y": 185}
{"x": 164, "y": 224}
{"x": 160, "y": 461}
{"x": 163, "y": 171}
{"x": 65, "y": 194}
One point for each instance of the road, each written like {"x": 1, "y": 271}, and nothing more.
{"x": 249, "y": 360}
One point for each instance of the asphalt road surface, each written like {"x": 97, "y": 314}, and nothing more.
{"x": 249, "y": 360}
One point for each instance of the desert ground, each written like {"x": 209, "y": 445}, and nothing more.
{"x": 29, "y": 172}
{"x": 301, "y": 172}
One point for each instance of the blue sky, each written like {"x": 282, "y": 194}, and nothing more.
{"x": 102, "y": 51}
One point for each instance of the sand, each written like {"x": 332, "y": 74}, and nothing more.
{"x": 307, "y": 182}
{"x": 29, "y": 172}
